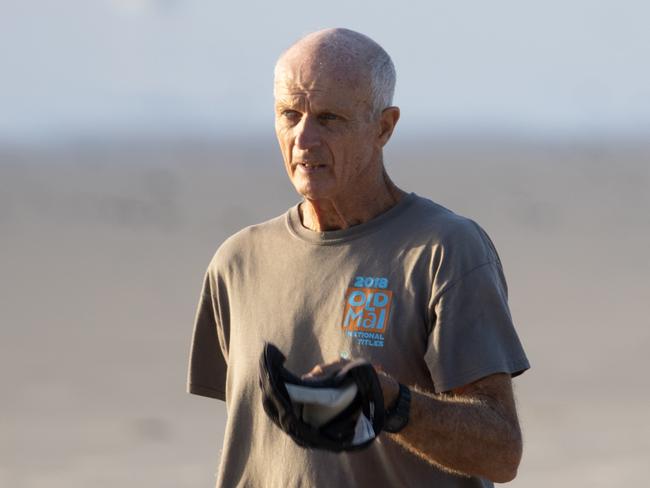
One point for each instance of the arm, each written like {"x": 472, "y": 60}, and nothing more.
{"x": 472, "y": 430}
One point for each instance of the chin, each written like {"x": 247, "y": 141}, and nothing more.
{"x": 314, "y": 195}
{"x": 312, "y": 191}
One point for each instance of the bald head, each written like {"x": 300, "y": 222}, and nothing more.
{"x": 348, "y": 56}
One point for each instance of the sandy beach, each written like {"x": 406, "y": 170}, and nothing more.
{"x": 103, "y": 248}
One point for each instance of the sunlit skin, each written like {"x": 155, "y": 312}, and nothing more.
{"x": 332, "y": 142}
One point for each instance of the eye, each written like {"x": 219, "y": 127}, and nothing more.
{"x": 327, "y": 116}
{"x": 291, "y": 115}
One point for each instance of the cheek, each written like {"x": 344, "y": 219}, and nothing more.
{"x": 285, "y": 141}
{"x": 352, "y": 156}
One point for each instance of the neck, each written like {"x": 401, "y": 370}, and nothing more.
{"x": 342, "y": 213}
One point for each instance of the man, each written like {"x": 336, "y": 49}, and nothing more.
{"x": 359, "y": 269}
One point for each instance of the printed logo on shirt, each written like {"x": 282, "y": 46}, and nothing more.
{"x": 367, "y": 310}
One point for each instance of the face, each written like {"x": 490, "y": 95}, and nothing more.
{"x": 328, "y": 139}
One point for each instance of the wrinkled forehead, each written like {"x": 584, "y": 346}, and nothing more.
{"x": 311, "y": 71}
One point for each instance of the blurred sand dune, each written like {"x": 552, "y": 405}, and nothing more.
{"x": 103, "y": 251}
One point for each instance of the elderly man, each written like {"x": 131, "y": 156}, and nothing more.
{"x": 359, "y": 269}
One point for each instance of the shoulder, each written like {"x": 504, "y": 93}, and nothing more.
{"x": 452, "y": 237}
{"x": 246, "y": 243}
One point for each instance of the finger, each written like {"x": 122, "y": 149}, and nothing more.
{"x": 334, "y": 366}
{"x": 315, "y": 371}
{"x": 326, "y": 369}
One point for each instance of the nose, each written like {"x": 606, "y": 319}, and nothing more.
{"x": 307, "y": 133}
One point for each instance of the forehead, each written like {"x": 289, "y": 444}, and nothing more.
{"x": 300, "y": 80}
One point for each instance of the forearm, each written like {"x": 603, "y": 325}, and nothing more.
{"x": 470, "y": 434}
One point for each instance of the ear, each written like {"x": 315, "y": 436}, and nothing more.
{"x": 387, "y": 122}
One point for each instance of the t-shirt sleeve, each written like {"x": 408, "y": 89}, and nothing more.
{"x": 473, "y": 335}
{"x": 207, "y": 365}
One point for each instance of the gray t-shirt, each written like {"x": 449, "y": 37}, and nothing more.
{"x": 418, "y": 291}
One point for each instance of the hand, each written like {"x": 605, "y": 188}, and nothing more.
{"x": 326, "y": 369}
{"x": 389, "y": 385}
{"x": 354, "y": 427}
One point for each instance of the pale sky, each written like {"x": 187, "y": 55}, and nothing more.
{"x": 77, "y": 68}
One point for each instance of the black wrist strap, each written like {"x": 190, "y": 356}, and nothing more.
{"x": 397, "y": 415}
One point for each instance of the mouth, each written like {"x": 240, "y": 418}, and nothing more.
{"x": 310, "y": 167}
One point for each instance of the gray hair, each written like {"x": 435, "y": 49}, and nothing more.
{"x": 352, "y": 49}
{"x": 382, "y": 81}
